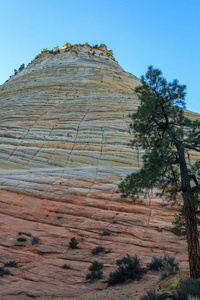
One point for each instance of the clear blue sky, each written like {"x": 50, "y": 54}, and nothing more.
{"x": 165, "y": 34}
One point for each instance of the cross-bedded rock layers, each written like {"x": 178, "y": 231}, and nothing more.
{"x": 64, "y": 134}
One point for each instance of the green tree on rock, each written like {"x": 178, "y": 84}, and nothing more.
{"x": 160, "y": 127}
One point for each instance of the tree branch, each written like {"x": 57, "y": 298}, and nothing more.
{"x": 192, "y": 147}
{"x": 194, "y": 179}
{"x": 195, "y": 188}
{"x": 165, "y": 115}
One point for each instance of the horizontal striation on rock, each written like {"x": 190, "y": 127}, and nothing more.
{"x": 64, "y": 146}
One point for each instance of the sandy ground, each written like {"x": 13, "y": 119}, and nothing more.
{"x": 133, "y": 290}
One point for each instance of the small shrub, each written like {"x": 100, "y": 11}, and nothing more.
{"x": 4, "y": 272}
{"x": 24, "y": 233}
{"x": 21, "y": 239}
{"x": 96, "y": 272}
{"x": 189, "y": 289}
{"x": 152, "y": 295}
{"x": 108, "y": 251}
{"x": 96, "y": 266}
{"x": 93, "y": 53}
{"x": 169, "y": 267}
{"x": 129, "y": 268}
{"x": 165, "y": 264}
{"x": 67, "y": 45}
{"x": 94, "y": 275}
{"x": 56, "y": 49}
{"x": 155, "y": 264}
{"x": 98, "y": 249}
{"x": 73, "y": 243}
{"x": 65, "y": 266}
{"x": 11, "y": 264}
{"x": 35, "y": 240}
{"x": 176, "y": 283}
{"x": 104, "y": 233}
{"x": 114, "y": 222}
{"x": 21, "y": 67}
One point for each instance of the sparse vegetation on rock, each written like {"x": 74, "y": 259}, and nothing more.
{"x": 56, "y": 49}
{"x": 96, "y": 272}
{"x": 24, "y": 233}
{"x": 4, "y": 272}
{"x": 166, "y": 265}
{"x": 96, "y": 266}
{"x": 67, "y": 45}
{"x": 17, "y": 71}
{"x": 21, "y": 67}
{"x": 105, "y": 233}
{"x": 35, "y": 240}
{"x": 155, "y": 264}
{"x": 176, "y": 283}
{"x": 189, "y": 289}
{"x": 94, "y": 275}
{"x": 98, "y": 249}
{"x": 129, "y": 268}
{"x": 11, "y": 264}
{"x": 21, "y": 239}
{"x": 73, "y": 244}
{"x": 168, "y": 268}
{"x": 66, "y": 266}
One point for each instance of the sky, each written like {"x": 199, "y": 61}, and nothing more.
{"x": 165, "y": 34}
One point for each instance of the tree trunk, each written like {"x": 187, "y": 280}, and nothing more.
{"x": 190, "y": 216}
{"x": 192, "y": 237}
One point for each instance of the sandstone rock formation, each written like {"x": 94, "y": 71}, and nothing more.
{"x": 64, "y": 133}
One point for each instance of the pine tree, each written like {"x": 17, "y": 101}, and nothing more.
{"x": 160, "y": 127}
